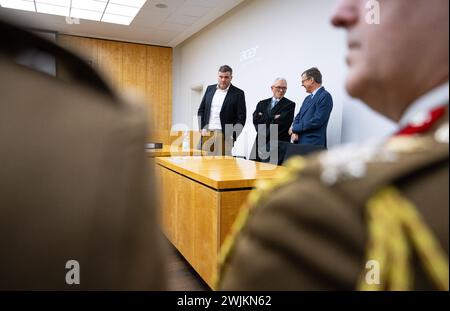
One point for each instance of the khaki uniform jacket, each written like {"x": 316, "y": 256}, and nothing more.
{"x": 74, "y": 181}
{"x": 312, "y": 229}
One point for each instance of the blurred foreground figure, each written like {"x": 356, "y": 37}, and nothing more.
{"x": 371, "y": 217}
{"x": 76, "y": 207}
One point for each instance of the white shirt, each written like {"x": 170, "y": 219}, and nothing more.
{"x": 418, "y": 112}
{"x": 216, "y": 107}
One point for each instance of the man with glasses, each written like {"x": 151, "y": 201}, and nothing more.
{"x": 310, "y": 124}
{"x": 273, "y": 116}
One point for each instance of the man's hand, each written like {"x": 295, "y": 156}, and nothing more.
{"x": 290, "y": 131}
{"x": 294, "y": 138}
{"x": 260, "y": 113}
{"x": 277, "y": 116}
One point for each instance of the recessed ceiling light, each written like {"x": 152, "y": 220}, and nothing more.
{"x": 86, "y": 14}
{"x": 161, "y": 6}
{"x": 134, "y": 3}
{"x": 113, "y": 11}
{"x": 55, "y": 2}
{"x": 52, "y": 9}
{"x": 117, "y": 19}
{"x": 18, "y": 5}
{"x": 121, "y": 10}
{"x": 91, "y": 5}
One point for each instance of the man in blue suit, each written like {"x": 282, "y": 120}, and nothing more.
{"x": 310, "y": 124}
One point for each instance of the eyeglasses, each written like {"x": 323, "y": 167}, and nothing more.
{"x": 303, "y": 81}
{"x": 281, "y": 88}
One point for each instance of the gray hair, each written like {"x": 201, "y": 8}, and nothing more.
{"x": 279, "y": 79}
{"x": 313, "y": 73}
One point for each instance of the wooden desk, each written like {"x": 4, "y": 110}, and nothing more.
{"x": 200, "y": 199}
{"x": 166, "y": 151}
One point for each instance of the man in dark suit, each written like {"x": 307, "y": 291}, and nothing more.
{"x": 310, "y": 124}
{"x": 222, "y": 114}
{"x": 273, "y": 113}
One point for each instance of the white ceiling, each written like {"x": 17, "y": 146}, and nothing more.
{"x": 166, "y": 27}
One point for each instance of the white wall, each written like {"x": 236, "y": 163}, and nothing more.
{"x": 360, "y": 123}
{"x": 262, "y": 40}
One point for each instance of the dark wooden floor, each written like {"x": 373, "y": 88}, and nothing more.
{"x": 180, "y": 275}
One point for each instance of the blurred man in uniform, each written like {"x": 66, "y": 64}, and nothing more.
{"x": 76, "y": 204}
{"x": 370, "y": 217}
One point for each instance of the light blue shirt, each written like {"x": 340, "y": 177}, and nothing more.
{"x": 274, "y": 102}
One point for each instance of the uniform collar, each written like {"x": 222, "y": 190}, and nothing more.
{"x": 421, "y": 107}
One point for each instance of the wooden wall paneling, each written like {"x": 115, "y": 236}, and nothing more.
{"x": 134, "y": 63}
{"x": 89, "y": 48}
{"x": 110, "y": 61}
{"x": 159, "y": 92}
{"x": 86, "y": 48}
{"x": 133, "y": 67}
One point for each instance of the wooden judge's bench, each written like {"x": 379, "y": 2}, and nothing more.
{"x": 200, "y": 199}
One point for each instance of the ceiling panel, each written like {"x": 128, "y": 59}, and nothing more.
{"x": 152, "y": 25}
